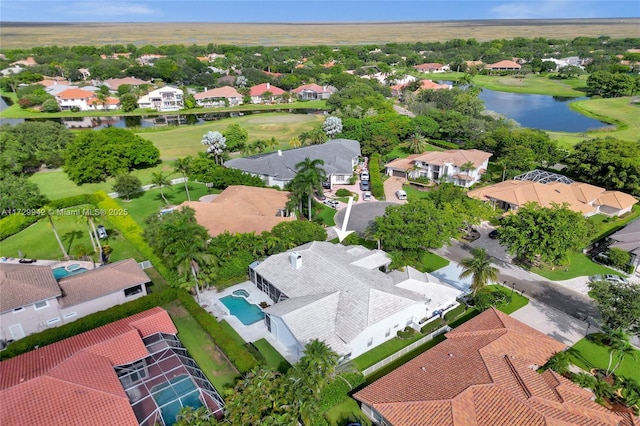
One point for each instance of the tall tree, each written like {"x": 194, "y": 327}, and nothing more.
{"x": 480, "y": 268}
{"x": 161, "y": 180}
{"x": 309, "y": 178}
{"x": 332, "y": 126}
{"x": 618, "y": 304}
{"x": 55, "y": 232}
{"x": 416, "y": 144}
{"x": 127, "y": 184}
{"x": 183, "y": 166}
{"x": 216, "y": 144}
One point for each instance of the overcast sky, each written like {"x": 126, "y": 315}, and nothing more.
{"x": 307, "y": 11}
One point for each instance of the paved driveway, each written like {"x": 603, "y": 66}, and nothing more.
{"x": 362, "y": 215}
{"x": 552, "y": 322}
{"x": 391, "y": 185}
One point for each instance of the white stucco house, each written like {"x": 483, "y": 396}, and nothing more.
{"x": 458, "y": 166}
{"x": 343, "y": 296}
{"x": 278, "y": 168}
{"x": 33, "y": 299}
{"x": 164, "y": 99}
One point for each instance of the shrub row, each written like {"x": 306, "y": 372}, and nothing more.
{"x": 14, "y": 223}
{"x": 444, "y": 144}
{"x": 130, "y": 229}
{"x": 76, "y": 200}
{"x": 338, "y": 390}
{"x": 87, "y": 323}
{"x": 236, "y": 353}
{"x": 377, "y": 187}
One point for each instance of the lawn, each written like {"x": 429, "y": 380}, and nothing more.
{"x": 186, "y": 140}
{"x": 432, "y": 262}
{"x": 606, "y": 225}
{"x": 325, "y": 213}
{"x": 579, "y": 265}
{"x": 271, "y": 356}
{"x": 38, "y": 240}
{"x": 532, "y": 84}
{"x": 509, "y": 306}
{"x": 345, "y": 413}
{"x": 412, "y": 192}
{"x": 382, "y": 351}
{"x": 202, "y": 349}
{"x": 590, "y": 354}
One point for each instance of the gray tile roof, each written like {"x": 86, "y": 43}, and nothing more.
{"x": 22, "y": 285}
{"x": 337, "y": 155}
{"x": 106, "y": 279}
{"x": 329, "y": 281}
{"x": 628, "y": 238}
{"x": 439, "y": 293}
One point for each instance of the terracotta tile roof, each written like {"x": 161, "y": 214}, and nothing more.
{"x": 432, "y": 85}
{"x": 504, "y": 64}
{"x": 72, "y": 382}
{"x": 241, "y": 209}
{"x": 457, "y": 157}
{"x": 106, "y": 279}
{"x": 22, "y": 285}
{"x": 75, "y": 94}
{"x": 114, "y": 83}
{"x": 429, "y": 66}
{"x": 220, "y": 92}
{"x": 484, "y": 374}
{"x": 314, "y": 88}
{"x": 108, "y": 101}
{"x": 259, "y": 89}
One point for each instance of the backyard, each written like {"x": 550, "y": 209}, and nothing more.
{"x": 588, "y": 353}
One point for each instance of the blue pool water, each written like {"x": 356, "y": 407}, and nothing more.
{"x": 173, "y": 395}
{"x": 243, "y": 310}
{"x": 241, "y": 292}
{"x": 61, "y": 272}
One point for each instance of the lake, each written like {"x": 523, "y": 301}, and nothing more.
{"x": 539, "y": 111}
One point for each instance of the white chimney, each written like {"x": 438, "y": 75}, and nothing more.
{"x": 279, "y": 153}
{"x": 268, "y": 86}
{"x": 296, "y": 260}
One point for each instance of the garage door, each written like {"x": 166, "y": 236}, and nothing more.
{"x": 399, "y": 173}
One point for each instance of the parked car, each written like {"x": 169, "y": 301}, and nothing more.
{"x": 364, "y": 175}
{"x": 320, "y": 196}
{"x": 326, "y": 184}
{"x": 493, "y": 234}
{"x": 102, "y": 232}
{"x": 615, "y": 279}
{"x": 401, "y": 195}
{"x": 332, "y": 203}
{"x": 366, "y": 196}
{"x": 364, "y": 185}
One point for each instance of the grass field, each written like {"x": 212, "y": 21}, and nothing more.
{"x": 271, "y": 356}
{"x": 590, "y": 354}
{"x": 23, "y": 35}
{"x": 579, "y": 265}
{"x": 202, "y": 349}
{"x": 530, "y": 84}
{"x": 186, "y": 140}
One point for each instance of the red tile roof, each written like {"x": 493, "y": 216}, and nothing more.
{"x": 259, "y": 89}
{"x": 75, "y": 94}
{"x": 504, "y": 65}
{"x": 219, "y": 92}
{"x": 429, "y": 66}
{"x": 484, "y": 374}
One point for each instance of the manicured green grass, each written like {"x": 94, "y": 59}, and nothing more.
{"x": 186, "y": 140}
{"x": 412, "y": 192}
{"x": 271, "y": 356}
{"x": 346, "y": 412}
{"x": 38, "y": 240}
{"x": 579, "y": 265}
{"x": 508, "y": 307}
{"x": 382, "y": 351}
{"x": 230, "y": 331}
{"x": 432, "y": 262}
{"x": 202, "y": 348}
{"x": 325, "y": 213}
{"x": 590, "y": 354}
{"x": 606, "y": 225}
{"x": 532, "y": 84}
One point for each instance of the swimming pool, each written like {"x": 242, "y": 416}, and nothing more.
{"x": 62, "y": 272}
{"x": 173, "y": 395}
{"x": 241, "y": 292}
{"x": 243, "y": 310}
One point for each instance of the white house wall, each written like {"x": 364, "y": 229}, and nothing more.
{"x": 32, "y": 320}
{"x": 283, "y": 335}
{"x": 99, "y": 304}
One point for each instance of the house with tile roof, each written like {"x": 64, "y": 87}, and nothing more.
{"x": 82, "y": 99}
{"x": 580, "y": 197}
{"x": 115, "y": 83}
{"x": 458, "y": 166}
{"x": 278, "y": 168}
{"x": 484, "y": 373}
{"x": 313, "y": 91}
{"x": 134, "y": 371}
{"x": 219, "y": 97}
{"x": 242, "y": 209}
{"x": 432, "y": 68}
{"x": 627, "y": 239}
{"x": 504, "y": 66}
{"x": 34, "y": 300}
{"x": 259, "y": 91}
{"x": 343, "y": 296}
{"x": 163, "y": 99}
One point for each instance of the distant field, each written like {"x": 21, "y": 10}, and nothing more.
{"x": 17, "y": 35}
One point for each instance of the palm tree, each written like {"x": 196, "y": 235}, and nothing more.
{"x": 416, "y": 144}
{"x": 619, "y": 343}
{"x": 186, "y": 256}
{"x": 311, "y": 177}
{"x": 161, "y": 180}
{"x": 479, "y": 268}
{"x": 303, "y": 186}
{"x": 624, "y": 351}
{"x": 183, "y": 166}
{"x": 295, "y": 142}
{"x": 55, "y": 232}
{"x": 467, "y": 167}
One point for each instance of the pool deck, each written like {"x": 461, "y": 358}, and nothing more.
{"x": 210, "y": 301}
{"x": 53, "y": 263}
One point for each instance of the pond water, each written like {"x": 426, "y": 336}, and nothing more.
{"x": 539, "y": 111}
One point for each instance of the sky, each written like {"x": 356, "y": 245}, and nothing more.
{"x": 308, "y": 10}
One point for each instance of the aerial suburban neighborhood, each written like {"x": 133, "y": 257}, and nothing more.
{"x": 430, "y": 230}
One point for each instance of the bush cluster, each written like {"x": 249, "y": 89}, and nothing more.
{"x": 87, "y": 323}
{"x": 12, "y": 224}
{"x": 237, "y": 354}
{"x": 377, "y": 187}
{"x": 406, "y": 333}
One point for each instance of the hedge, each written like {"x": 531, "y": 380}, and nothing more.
{"x": 130, "y": 229}
{"x": 338, "y": 390}
{"x": 377, "y": 187}
{"x": 236, "y": 353}
{"x": 87, "y": 323}
{"x": 77, "y": 200}
{"x": 14, "y": 223}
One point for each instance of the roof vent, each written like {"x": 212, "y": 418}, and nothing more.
{"x": 296, "y": 260}
{"x": 423, "y": 368}
{"x": 450, "y": 355}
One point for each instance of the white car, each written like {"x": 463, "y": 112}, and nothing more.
{"x": 332, "y": 203}
{"x": 615, "y": 279}
{"x": 402, "y": 195}
{"x": 366, "y": 196}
